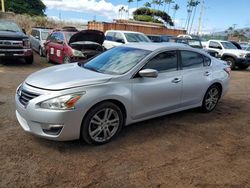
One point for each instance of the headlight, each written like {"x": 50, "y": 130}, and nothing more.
{"x": 26, "y": 43}
{"x": 77, "y": 53}
{"x": 19, "y": 90}
{"x": 65, "y": 102}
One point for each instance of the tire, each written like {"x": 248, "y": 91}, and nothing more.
{"x": 66, "y": 59}
{"x": 47, "y": 57}
{"x": 231, "y": 62}
{"x": 243, "y": 67}
{"x": 211, "y": 99}
{"x": 41, "y": 52}
{"x": 29, "y": 60}
{"x": 98, "y": 130}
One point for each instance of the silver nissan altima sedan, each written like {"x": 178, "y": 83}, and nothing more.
{"x": 126, "y": 84}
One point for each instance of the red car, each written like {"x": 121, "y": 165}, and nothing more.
{"x": 66, "y": 46}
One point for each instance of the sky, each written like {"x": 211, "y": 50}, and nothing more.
{"x": 218, "y": 15}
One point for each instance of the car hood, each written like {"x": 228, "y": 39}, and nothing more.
{"x": 65, "y": 77}
{"x": 88, "y": 35}
{"x": 12, "y": 35}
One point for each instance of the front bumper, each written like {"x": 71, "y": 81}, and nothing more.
{"x": 243, "y": 61}
{"x": 15, "y": 52}
{"x": 38, "y": 121}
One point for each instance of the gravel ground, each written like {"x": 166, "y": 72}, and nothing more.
{"x": 187, "y": 149}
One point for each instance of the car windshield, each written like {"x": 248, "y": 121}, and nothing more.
{"x": 136, "y": 37}
{"x": 228, "y": 45}
{"x": 68, "y": 35}
{"x": 195, "y": 43}
{"x": 9, "y": 26}
{"x": 118, "y": 60}
{"x": 44, "y": 35}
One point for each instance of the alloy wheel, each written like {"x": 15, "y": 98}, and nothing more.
{"x": 212, "y": 98}
{"x": 104, "y": 125}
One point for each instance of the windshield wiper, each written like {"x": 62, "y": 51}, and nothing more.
{"x": 91, "y": 68}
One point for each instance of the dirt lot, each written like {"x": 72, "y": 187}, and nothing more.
{"x": 187, "y": 149}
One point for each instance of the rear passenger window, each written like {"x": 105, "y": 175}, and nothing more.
{"x": 191, "y": 60}
{"x": 165, "y": 61}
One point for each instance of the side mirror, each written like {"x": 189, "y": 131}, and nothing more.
{"x": 23, "y": 30}
{"x": 37, "y": 37}
{"x": 219, "y": 47}
{"x": 148, "y": 73}
{"x": 120, "y": 41}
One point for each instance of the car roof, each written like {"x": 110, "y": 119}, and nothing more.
{"x": 155, "y": 46}
{"x": 219, "y": 40}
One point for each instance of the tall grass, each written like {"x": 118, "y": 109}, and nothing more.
{"x": 27, "y": 22}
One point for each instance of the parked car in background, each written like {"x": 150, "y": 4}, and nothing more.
{"x": 38, "y": 37}
{"x": 194, "y": 43}
{"x": 123, "y": 85}
{"x": 229, "y": 52}
{"x": 14, "y": 42}
{"x": 115, "y": 38}
{"x": 160, "y": 38}
{"x": 67, "y": 45}
{"x": 247, "y": 48}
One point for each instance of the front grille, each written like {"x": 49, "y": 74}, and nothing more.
{"x": 26, "y": 96}
{"x": 11, "y": 44}
{"x": 248, "y": 56}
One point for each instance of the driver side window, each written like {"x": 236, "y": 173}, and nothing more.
{"x": 163, "y": 62}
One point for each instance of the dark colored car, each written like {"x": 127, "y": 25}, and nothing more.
{"x": 67, "y": 45}
{"x": 195, "y": 43}
{"x": 160, "y": 38}
{"x": 14, "y": 42}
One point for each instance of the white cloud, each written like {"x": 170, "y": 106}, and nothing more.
{"x": 101, "y": 8}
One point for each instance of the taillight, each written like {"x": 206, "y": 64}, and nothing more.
{"x": 227, "y": 70}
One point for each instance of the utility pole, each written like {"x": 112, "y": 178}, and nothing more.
{"x": 200, "y": 18}
{"x": 3, "y": 7}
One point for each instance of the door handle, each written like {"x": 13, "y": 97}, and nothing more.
{"x": 207, "y": 73}
{"x": 176, "y": 80}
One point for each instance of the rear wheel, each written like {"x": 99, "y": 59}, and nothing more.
{"x": 211, "y": 98}
{"x": 231, "y": 62}
{"x": 47, "y": 57}
{"x": 102, "y": 123}
{"x": 41, "y": 52}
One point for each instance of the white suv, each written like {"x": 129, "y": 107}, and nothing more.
{"x": 229, "y": 52}
{"x": 115, "y": 38}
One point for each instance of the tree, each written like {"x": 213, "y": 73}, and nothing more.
{"x": 150, "y": 15}
{"x": 147, "y": 4}
{"x": 176, "y": 7}
{"x": 137, "y": 3}
{"x": 31, "y": 7}
{"x": 194, "y": 4}
{"x": 129, "y": 1}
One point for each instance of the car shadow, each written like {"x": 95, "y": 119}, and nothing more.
{"x": 153, "y": 129}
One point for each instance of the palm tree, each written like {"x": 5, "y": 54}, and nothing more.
{"x": 129, "y": 1}
{"x": 137, "y": 3}
{"x": 154, "y": 2}
{"x": 159, "y": 3}
{"x": 176, "y": 7}
{"x": 167, "y": 2}
{"x": 194, "y": 4}
{"x": 147, "y": 4}
{"x": 190, "y": 8}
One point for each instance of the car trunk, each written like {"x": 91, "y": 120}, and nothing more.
{"x": 89, "y": 42}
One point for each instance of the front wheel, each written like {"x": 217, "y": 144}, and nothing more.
{"x": 102, "y": 123}
{"x": 29, "y": 60}
{"x": 211, "y": 98}
{"x": 41, "y": 52}
{"x": 231, "y": 62}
